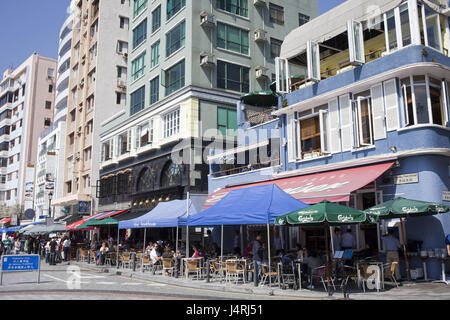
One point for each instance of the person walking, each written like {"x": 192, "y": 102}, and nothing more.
{"x": 392, "y": 244}
{"x": 336, "y": 238}
{"x": 258, "y": 254}
{"x": 6, "y": 244}
{"x": 17, "y": 246}
{"x": 66, "y": 248}
{"x": 53, "y": 248}
{"x": 348, "y": 240}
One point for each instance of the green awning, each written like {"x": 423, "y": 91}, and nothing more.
{"x": 260, "y": 98}
{"x": 321, "y": 213}
{"x": 103, "y": 222}
{"x": 402, "y": 207}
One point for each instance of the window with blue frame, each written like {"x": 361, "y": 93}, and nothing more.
{"x": 138, "y": 67}
{"x": 175, "y": 38}
{"x": 173, "y": 6}
{"x": 232, "y": 38}
{"x": 174, "y": 78}
{"x": 154, "y": 90}
{"x": 156, "y": 19}
{"x": 226, "y": 121}
{"x": 139, "y": 6}
{"x": 137, "y": 100}
{"x": 239, "y": 7}
{"x": 232, "y": 76}
{"x": 140, "y": 33}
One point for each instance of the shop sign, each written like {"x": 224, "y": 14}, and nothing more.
{"x": 446, "y": 196}
{"x": 406, "y": 178}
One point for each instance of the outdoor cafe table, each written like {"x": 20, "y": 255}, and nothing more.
{"x": 379, "y": 264}
{"x": 298, "y": 263}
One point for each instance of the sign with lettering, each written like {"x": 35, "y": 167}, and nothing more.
{"x": 406, "y": 178}
{"x": 20, "y": 263}
{"x": 446, "y": 196}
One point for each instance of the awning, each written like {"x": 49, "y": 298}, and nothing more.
{"x": 5, "y": 220}
{"x": 334, "y": 186}
{"x": 253, "y": 205}
{"x": 164, "y": 215}
{"x": 108, "y": 214}
{"x": 333, "y": 23}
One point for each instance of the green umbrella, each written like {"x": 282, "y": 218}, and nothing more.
{"x": 83, "y": 226}
{"x": 402, "y": 207}
{"x": 260, "y": 98}
{"x": 323, "y": 212}
{"x": 103, "y": 222}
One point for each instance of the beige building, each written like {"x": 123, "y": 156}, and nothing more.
{"x": 98, "y": 56}
{"x": 27, "y": 97}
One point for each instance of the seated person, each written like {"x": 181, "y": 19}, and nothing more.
{"x": 314, "y": 261}
{"x": 167, "y": 254}
{"x": 196, "y": 253}
{"x": 103, "y": 251}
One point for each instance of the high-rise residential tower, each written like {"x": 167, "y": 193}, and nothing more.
{"x": 27, "y": 97}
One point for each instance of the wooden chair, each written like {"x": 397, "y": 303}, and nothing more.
{"x": 216, "y": 270}
{"x": 168, "y": 266}
{"x": 192, "y": 267}
{"x": 111, "y": 258}
{"x": 266, "y": 275}
{"x": 83, "y": 255}
{"x": 234, "y": 271}
{"x": 92, "y": 256}
{"x": 126, "y": 260}
{"x": 389, "y": 271}
{"x": 146, "y": 262}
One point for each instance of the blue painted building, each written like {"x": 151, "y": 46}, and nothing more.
{"x": 363, "y": 117}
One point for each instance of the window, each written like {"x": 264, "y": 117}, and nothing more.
{"x": 50, "y": 88}
{"x": 275, "y": 47}
{"x": 124, "y": 143}
{"x": 174, "y": 78}
{"x": 232, "y": 77}
{"x": 232, "y": 38}
{"x": 139, "y": 6}
{"x": 72, "y": 115}
{"x": 171, "y": 123}
{"x": 50, "y": 72}
{"x": 433, "y": 36}
{"x": 69, "y": 186}
{"x": 156, "y": 19}
{"x": 363, "y": 120}
{"x": 144, "y": 134}
{"x": 122, "y": 47}
{"x": 140, "y": 33}
{"x": 313, "y": 57}
{"x": 302, "y": 19}
{"x": 124, "y": 23}
{"x": 355, "y": 42}
{"x": 276, "y": 14}
{"x": 239, "y": 7}
{"x": 87, "y": 154}
{"x": 47, "y": 122}
{"x": 175, "y": 38}
{"x": 48, "y": 105}
{"x": 107, "y": 150}
{"x": 310, "y": 132}
{"x": 118, "y": 98}
{"x": 154, "y": 60}
{"x": 226, "y": 120}
{"x": 71, "y": 138}
{"x": 137, "y": 100}
{"x": 171, "y": 175}
{"x": 173, "y": 6}
{"x": 154, "y": 90}
{"x": 423, "y": 101}
{"x": 138, "y": 67}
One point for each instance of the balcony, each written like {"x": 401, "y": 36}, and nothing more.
{"x": 61, "y": 99}
{"x": 65, "y": 44}
{"x": 62, "y": 82}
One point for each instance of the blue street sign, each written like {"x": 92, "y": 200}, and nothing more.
{"x": 20, "y": 263}
{"x": 82, "y": 206}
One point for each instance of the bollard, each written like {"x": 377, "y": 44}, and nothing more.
{"x": 89, "y": 256}
{"x": 177, "y": 265}
{"x": 78, "y": 254}
{"x": 207, "y": 270}
{"x": 133, "y": 260}
{"x": 255, "y": 273}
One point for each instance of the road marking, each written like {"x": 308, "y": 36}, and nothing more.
{"x": 62, "y": 280}
{"x": 156, "y": 285}
{"x": 105, "y": 282}
{"x": 131, "y": 283}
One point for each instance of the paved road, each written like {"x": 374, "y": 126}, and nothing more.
{"x": 60, "y": 283}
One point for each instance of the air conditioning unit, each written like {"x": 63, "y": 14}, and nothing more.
{"x": 259, "y": 2}
{"x": 261, "y": 73}
{"x": 121, "y": 84}
{"x": 207, "y": 60}
{"x": 260, "y": 35}
{"x": 207, "y": 20}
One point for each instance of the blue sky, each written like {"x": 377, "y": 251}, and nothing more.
{"x": 28, "y": 26}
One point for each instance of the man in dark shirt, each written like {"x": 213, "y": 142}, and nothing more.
{"x": 53, "y": 245}
{"x": 257, "y": 253}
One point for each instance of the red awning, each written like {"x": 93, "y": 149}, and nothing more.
{"x": 334, "y": 186}
{"x": 75, "y": 224}
{"x": 109, "y": 214}
{"x": 5, "y": 220}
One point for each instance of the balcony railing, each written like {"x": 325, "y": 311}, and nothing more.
{"x": 247, "y": 168}
{"x": 255, "y": 118}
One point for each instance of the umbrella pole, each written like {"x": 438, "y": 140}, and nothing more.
{"x": 221, "y": 244}
{"x": 332, "y": 242}
{"x": 117, "y": 256}
{"x": 402, "y": 228}
{"x": 327, "y": 268}
{"x": 145, "y": 236}
{"x": 176, "y": 244}
{"x": 268, "y": 254}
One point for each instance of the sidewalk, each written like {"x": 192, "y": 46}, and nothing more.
{"x": 410, "y": 291}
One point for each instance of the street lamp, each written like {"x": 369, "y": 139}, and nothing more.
{"x": 50, "y": 196}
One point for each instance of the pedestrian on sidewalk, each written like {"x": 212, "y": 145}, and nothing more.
{"x": 17, "y": 246}
{"x": 66, "y": 246}
{"x": 53, "y": 247}
{"x": 258, "y": 254}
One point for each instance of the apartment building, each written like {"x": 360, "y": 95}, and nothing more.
{"x": 98, "y": 47}
{"x": 50, "y": 158}
{"x": 27, "y": 96}
{"x": 189, "y": 62}
{"x": 367, "y": 120}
